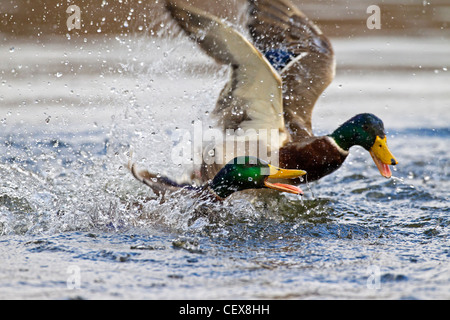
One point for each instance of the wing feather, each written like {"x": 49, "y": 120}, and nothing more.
{"x": 253, "y": 97}
{"x": 299, "y": 51}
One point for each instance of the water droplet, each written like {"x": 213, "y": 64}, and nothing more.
{"x": 58, "y": 74}
{"x": 11, "y": 49}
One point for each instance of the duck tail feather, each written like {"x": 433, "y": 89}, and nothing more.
{"x": 159, "y": 184}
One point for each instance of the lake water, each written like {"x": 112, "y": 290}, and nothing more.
{"x": 75, "y": 224}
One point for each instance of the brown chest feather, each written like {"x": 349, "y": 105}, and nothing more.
{"x": 317, "y": 156}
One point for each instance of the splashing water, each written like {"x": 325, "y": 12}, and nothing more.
{"x": 68, "y": 199}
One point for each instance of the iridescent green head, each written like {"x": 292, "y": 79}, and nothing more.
{"x": 248, "y": 172}
{"x": 366, "y": 130}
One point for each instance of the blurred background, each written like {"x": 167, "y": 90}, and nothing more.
{"x": 343, "y": 18}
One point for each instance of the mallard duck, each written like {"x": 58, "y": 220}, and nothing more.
{"x": 275, "y": 82}
{"x": 242, "y": 173}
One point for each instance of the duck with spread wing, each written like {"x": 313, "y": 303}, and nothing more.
{"x": 275, "y": 81}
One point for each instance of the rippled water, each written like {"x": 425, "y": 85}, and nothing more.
{"x": 75, "y": 224}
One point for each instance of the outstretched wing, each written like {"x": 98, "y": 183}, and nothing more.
{"x": 297, "y": 48}
{"x": 253, "y": 97}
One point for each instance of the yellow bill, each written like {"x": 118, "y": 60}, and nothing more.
{"x": 278, "y": 173}
{"x": 382, "y": 157}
